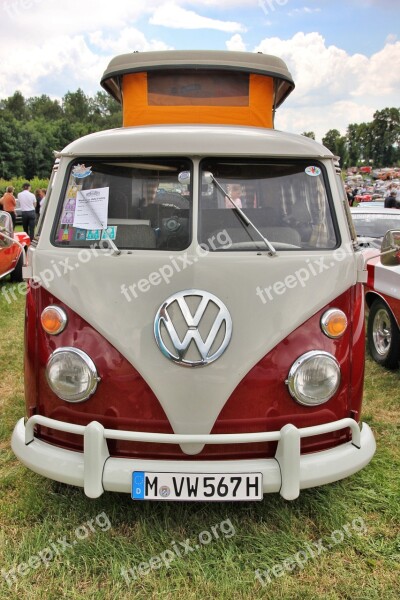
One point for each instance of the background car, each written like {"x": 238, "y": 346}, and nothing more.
{"x": 372, "y": 223}
{"x": 382, "y": 299}
{"x": 18, "y": 212}
{"x": 11, "y": 253}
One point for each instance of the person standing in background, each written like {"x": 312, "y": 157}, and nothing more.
{"x": 8, "y": 203}
{"x": 39, "y": 197}
{"x": 42, "y": 201}
{"x": 27, "y": 203}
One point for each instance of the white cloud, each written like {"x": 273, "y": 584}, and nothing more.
{"x": 49, "y": 18}
{"x": 320, "y": 119}
{"x": 391, "y": 38}
{"x": 127, "y": 40}
{"x": 305, "y": 10}
{"x": 333, "y": 88}
{"x": 70, "y": 64}
{"x": 328, "y": 73}
{"x": 236, "y": 43}
{"x": 176, "y": 17}
{"x": 71, "y": 61}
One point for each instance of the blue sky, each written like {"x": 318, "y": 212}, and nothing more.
{"x": 344, "y": 56}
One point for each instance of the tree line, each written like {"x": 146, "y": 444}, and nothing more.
{"x": 32, "y": 128}
{"x": 376, "y": 143}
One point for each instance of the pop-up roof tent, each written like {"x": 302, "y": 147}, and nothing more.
{"x": 212, "y": 87}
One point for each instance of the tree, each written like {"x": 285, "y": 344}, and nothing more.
{"x": 15, "y": 105}
{"x": 11, "y": 148}
{"x": 43, "y": 106}
{"x": 359, "y": 143}
{"x": 337, "y": 144}
{"x": 309, "y": 134}
{"x": 76, "y": 106}
{"x": 385, "y": 137}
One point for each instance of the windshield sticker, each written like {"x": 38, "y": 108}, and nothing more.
{"x": 81, "y": 171}
{"x": 110, "y": 233}
{"x": 313, "y": 171}
{"x": 91, "y": 208}
{"x": 93, "y": 234}
{"x": 73, "y": 190}
{"x": 70, "y": 204}
{"x": 67, "y": 218}
{"x": 64, "y": 235}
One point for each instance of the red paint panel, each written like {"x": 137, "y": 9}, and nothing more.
{"x": 260, "y": 402}
{"x": 9, "y": 258}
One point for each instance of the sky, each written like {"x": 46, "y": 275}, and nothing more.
{"x": 344, "y": 56}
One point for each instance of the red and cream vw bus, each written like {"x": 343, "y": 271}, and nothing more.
{"x": 195, "y": 315}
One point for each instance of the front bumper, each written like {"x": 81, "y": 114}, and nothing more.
{"x": 287, "y": 473}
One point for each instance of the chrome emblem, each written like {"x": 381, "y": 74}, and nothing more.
{"x": 193, "y": 328}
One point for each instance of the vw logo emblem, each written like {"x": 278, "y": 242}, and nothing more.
{"x": 193, "y": 328}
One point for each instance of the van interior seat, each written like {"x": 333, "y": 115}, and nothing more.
{"x": 135, "y": 236}
{"x": 212, "y": 219}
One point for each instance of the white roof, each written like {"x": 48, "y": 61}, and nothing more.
{"x": 251, "y": 62}
{"x": 189, "y": 140}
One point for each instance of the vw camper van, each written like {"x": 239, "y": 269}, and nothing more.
{"x": 195, "y": 313}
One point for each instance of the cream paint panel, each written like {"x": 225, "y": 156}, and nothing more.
{"x": 196, "y": 140}
{"x": 193, "y": 398}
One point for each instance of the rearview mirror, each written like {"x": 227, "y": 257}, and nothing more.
{"x": 391, "y": 247}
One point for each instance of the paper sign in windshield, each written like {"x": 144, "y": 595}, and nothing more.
{"x": 91, "y": 208}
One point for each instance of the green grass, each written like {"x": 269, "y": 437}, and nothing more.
{"x": 35, "y": 512}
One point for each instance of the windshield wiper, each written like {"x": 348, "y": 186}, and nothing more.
{"x": 209, "y": 178}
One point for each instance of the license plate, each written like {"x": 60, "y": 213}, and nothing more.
{"x": 196, "y": 486}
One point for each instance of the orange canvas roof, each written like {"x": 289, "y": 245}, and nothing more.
{"x": 213, "y": 87}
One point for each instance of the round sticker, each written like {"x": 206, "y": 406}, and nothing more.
{"x": 313, "y": 171}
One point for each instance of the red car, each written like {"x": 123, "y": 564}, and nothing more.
{"x": 11, "y": 248}
{"x": 383, "y": 300}
{"x": 363, "y": 198}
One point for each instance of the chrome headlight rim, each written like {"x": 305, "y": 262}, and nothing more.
{"x": 299, "y": 363}
{"x": 94, "y": 377}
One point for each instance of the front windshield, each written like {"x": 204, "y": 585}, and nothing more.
{"x": 136, "y": 203}
{"x": 286, "y": 200}
{"x": 375, "y": 225}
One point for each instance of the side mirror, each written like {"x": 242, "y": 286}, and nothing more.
{"x": 391, "y": 247}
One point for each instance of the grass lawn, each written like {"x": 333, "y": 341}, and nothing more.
{"x": 63, "y": 545}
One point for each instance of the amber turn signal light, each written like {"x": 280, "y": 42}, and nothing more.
{"x": 334, "y": 323}
{"x": 54, "y": 319}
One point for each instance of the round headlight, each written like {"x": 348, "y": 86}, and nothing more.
{"x": 71, "y": 374}
{"x": 314, "y": 378}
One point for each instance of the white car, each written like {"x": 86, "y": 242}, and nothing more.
{"x": 373, "y": 222}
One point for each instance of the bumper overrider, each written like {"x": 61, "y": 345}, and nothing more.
{"x": 287, "y": 473}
